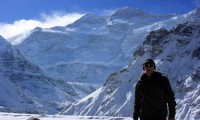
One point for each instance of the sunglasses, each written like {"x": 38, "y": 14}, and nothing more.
{"x": 148, "y": 65}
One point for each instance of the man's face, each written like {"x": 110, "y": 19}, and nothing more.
{"x": 149, "y": 68}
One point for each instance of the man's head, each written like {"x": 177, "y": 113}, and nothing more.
{"x": 149, "y": 66}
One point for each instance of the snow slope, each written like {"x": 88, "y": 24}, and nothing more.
{"x": 17, "y": 116}
{"x": 25, "y": 88}
{"x": 91, "y": 46}
{"x": 176, "y": 53}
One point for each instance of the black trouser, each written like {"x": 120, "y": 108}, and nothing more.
{"x": 153, "y": 118}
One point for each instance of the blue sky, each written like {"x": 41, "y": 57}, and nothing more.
{"x": 11, "y": 10}
{"x": 42, "y": 12}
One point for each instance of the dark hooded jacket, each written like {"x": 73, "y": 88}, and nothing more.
{"x": 154, "y": 97}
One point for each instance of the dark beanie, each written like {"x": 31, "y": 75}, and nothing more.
{"x": 149, "y": 61}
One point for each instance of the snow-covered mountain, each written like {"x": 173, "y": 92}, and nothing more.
{"x": 136, "y": 17}
{"x": 95, "y": 49}
{"x": 177, "y": 55}
{"x": 25, "y": 88}
{"x": 91, "y": 46}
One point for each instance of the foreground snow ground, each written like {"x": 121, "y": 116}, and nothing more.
{"x": 20, "y": 116}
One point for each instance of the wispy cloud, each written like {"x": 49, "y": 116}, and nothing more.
{"x": 46, "y": 21}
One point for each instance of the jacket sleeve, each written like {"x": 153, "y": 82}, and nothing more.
{"x": 170, "y": 99}
{"x": 137, "y": 103}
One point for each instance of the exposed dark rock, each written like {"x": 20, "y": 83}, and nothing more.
{"x": 196, "y": 53}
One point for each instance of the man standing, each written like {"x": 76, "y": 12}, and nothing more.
{"x": 154, "y": 98}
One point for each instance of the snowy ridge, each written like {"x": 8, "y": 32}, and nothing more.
{"x": 171, "y": 50}
{"x": 25, "y": 87}
{"x": 136, "y": 17}
{"x": 69, "y": 53}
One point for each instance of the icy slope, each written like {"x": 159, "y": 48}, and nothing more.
{"x": 91, "y": 46}
{"x": 18, "y": 116}
{"x": 176, "y": 53}
{"x": 136, "y": 18}
{"x": 25, "y": 88}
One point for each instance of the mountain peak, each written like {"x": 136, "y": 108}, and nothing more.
{"x": 128, "y": 13}
{"x": 37, "y": 29}
{"x": 197, "y": 10}
{"x": 195, "y": 14}
{"x": 89, "y": 16}
{"x": 89, "y": 19}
